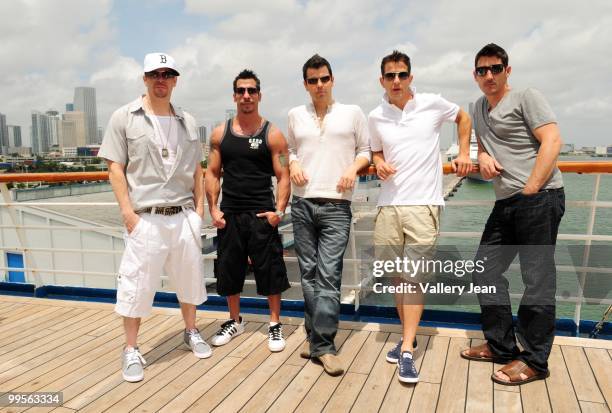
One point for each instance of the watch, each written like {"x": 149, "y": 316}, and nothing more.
{"x": 279, "y": 213}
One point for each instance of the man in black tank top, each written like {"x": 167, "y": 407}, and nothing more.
{"x": 249, "y": 150}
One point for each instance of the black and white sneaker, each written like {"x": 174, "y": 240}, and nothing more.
{"x": 229, "y": 330}
{"x": 276, "y": 342}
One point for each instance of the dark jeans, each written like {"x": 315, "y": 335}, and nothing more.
{"x": 321, "y": 231}
{"x": 527, "y": 226}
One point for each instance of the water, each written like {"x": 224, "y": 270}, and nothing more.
{"x": 578, "y": 187}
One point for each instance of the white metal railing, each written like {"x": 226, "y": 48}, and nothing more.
{"x": 357, "y": 285}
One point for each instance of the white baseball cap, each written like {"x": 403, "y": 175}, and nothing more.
{"x": 154, "y": 61}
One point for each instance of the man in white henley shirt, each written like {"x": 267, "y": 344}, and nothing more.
{"x": 328, "y": 144}
{"x": 404, "y": 136}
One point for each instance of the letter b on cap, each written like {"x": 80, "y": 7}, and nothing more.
{"x": 162, "y": 58}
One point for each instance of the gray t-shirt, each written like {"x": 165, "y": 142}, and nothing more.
{"x": 506, "y": 133}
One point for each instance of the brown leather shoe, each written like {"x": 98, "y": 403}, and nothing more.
{"x": 331, "y": 364}
{"x": 305, "y": 350}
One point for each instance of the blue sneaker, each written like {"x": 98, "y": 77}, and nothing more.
{"x": 394, "y": 354}
{"x": 406, "y": 371}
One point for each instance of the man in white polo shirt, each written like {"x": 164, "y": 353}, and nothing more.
{"x": 153, "y": 155}
{"x": 404, "y": 138}
{"x": 328, "y": 144}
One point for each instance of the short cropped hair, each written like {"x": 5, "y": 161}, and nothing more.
{"x": 492, "y": 50}
{"x": 316, "y": 62}
{"x": 396, "y": 57}
{"x": 247, "y": 74}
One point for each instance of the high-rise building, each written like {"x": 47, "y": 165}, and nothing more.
{"x": 41, "y": 134}
{"x": 54, "y": 126}
{"x": 85, "y": 101}
{"x": 73, "y": 130}
{"x": 4, "y": 144}
{"x": 69, "y": 107}
{"x": 14, "y": 135}
{"x": 202, "y": 133}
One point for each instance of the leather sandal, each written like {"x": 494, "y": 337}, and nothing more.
{"x": 479, "y": 353}
{"x": 514, "y": 369}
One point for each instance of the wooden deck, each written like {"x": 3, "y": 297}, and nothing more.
{"x": 75, "y": 347}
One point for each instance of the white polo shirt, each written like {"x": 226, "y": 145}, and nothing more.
{"x": 326, "y": 151}
{"x": 410, "y": 142}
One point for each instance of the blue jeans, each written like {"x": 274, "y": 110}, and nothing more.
{"x": 321, "y": 231}
{"x": 527, "y": 226}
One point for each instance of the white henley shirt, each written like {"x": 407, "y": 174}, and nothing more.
{"x": 325, "y": 151}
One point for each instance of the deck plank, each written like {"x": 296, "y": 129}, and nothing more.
{"x": 82, "y": 343}
{"x": 372, "y": 394}
{"x": 187, "y": 388}
{"x": 347, "y": 392}
{"x": 479, "y": 386}
{"x": 581, "y": 375}
{"x": 125, "y": 397}
{"x": 398, "y": 396}
{"x": 560, "y": 390}
{"x": 434, "y": 360}
{"x": 534, "y": 397}
{"x": 362, "y": 363}
{"x": 601, "y": 364}
{"x": 8, "y": 338}
{"x": 248, "y": 388}
{"x": 222, "y": 389}
{"x": 300, "y": 386}
{"x": 507, "y": 402}
{"x": 588, "y": 407}
{"x": 78, "y": 326}
{"x": 425, "y": 396}
{"x": 455, "y": 379}
{"x": 261, "y": 401}
{"x": 152, "y": 344}
{"x": 365, "y": 359}
{"x": 91, "y": 365}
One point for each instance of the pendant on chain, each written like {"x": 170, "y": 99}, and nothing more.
{"x": 165, "y": 153}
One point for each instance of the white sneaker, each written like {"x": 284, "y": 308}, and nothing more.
{"x": 196, "y": 343}
{"x": 229, "y": 330}
{"x": 276, "y": 342}
{"x": 132, "y": 365}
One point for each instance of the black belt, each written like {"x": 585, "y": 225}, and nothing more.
{"x": 329, "y": 200}
{"x": 170, "y": 210}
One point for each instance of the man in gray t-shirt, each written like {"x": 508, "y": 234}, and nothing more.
{"x": 519, "y": 143}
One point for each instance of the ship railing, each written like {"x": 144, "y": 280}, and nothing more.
{"x": 355, "y": 286}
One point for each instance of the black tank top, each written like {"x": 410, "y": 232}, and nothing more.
{"x": 247, "y": 171}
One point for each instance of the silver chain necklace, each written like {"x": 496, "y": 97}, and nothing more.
{"x": 164, "y": 152}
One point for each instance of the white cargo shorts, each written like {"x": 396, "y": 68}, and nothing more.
{"x": 161, "y": 244}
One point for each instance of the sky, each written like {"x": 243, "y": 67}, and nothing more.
{"x": 563, "y": 48}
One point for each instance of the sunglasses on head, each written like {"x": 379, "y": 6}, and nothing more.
{"x": 315, "y": 80}
{"x": 163, "y": 75}
{"x": 390, "y": 76}
{"x": 495, "y": 69}
{"x": 241, "y": 90}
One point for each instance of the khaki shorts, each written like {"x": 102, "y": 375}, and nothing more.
{"x": 161, "y": 244}
{"x": 407, "y": 232}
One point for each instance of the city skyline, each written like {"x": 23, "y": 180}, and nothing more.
{"x": 212, "y": 41}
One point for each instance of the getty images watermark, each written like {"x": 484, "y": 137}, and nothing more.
{"x": 417, "y": 271}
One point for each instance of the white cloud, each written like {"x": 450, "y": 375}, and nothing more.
{"x": 562, "y": 48}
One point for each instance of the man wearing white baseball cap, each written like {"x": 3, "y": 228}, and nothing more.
{"x": 153, "y": 155}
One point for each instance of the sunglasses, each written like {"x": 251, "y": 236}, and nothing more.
{"x": 241, "y": 90}
{"x": 495, "y": 69}
{"x": 315, "y": 80}
{"x": 390, "y": 76}
{"x": 163, "y": 75}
